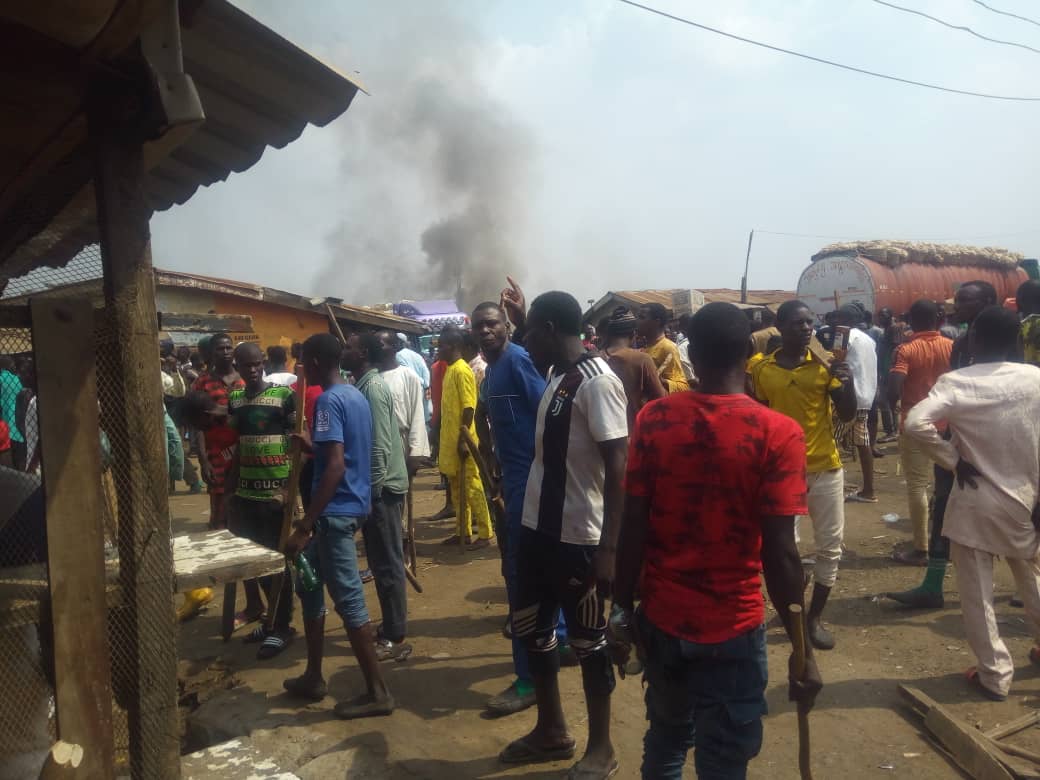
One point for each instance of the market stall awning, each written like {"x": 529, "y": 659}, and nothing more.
{"x": 256, "y": 90}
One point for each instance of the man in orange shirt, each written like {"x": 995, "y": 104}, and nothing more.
{"x": 917, "y": 366}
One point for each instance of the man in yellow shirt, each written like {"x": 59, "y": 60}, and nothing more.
{"x": 458, "y": 404}
{"x": 795, "y": 382}
{"x": 650, "y": 326}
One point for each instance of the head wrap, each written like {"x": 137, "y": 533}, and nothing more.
{"x": 622, "y": 322}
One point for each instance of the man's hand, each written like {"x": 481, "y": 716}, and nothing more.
{"x": 514, "y": 303}
{"x": 840, "y": 370}
{"x": 206, "y": 471}
{"x": 304, "y": 438}
{"x": 413, "y": 463}
{"x": 297, "y": 540}
{"x": 804, "y": 690}
{"x": 462, "y": 449}
{"x": 966, "y": 473}
{"x": 603, "y": 565}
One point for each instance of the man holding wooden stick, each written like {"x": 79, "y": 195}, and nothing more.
{"x": 713, "y": 483}
{"x": 362, "y": 352}
{"x": 340, "y": 499}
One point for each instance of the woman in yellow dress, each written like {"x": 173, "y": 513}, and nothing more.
{"x": 662, "y": 350}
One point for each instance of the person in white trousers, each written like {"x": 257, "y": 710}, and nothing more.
{"x": 993, "y": 411}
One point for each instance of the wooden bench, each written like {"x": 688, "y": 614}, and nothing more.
{"x": 200, "y": 560}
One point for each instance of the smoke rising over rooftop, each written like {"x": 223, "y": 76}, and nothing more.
{"x": 441, "y": 170}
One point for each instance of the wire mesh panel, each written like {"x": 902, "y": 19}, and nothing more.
{"x": 26, "y": 676}
{"x": 136, "y": 532}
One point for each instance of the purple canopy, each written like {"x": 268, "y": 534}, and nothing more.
{"x": 419, "y": 309}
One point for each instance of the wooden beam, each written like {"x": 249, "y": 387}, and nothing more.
{"x": 63, "y": 334}
{"x": 1014, "y": 726}
{"x": 972, "y": 751}
{"x": 117, "y": 129}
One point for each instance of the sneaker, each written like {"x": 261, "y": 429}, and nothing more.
{"x": 366, "y": 575}
{"x": 389, "y": 651}
{"x": 195, "y": 489}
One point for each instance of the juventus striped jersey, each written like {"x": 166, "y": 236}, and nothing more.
{"x": 580, "y": 408}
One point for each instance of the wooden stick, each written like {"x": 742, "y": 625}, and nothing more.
{"x": 496, "y": 504}
{"x": 460, "y": 504}
{"x": 335, "y": 325}
{"x": 798, "y": 640}
{"x": 411, "y": 531}
{"x": 1014, "y": 726}
{"x": 292, "y": 491}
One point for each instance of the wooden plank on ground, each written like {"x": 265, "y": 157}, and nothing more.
{"x": 63, "y": 333}
{"x": 210, "y": 558}
{"x": 972, "y": 751}
{"x": 1014, "y": 726}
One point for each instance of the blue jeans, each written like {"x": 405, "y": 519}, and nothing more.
{"x": 332, "y": 554}
{"x": 710, "y": 697}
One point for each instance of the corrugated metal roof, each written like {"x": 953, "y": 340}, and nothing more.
{"x": 636, "y": 298}
{"x": 257, "y": 90}
{"x": 344, "y": 311}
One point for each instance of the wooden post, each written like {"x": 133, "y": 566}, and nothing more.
{"x": 63, "y": 340}
{"x": 148, "y": 637}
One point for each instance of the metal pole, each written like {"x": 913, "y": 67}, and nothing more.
{"x": 747, "y": 261}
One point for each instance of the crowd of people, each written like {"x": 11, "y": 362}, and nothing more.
{"x": 668, "y": 474}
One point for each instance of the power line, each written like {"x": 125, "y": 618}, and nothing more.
{"x": 960, "y": 27}
{"x": 857, "y": 238}
{"x": 1006, "y": 13}
{"x": 823, "y": 61}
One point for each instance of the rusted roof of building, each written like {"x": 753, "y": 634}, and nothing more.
{"x": 636, "y": 298}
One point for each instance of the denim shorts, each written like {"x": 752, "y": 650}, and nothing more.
{"x": 333, "y": 556}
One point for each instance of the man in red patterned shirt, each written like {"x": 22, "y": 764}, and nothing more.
{"x": 218, "y": 442}
{"x": 714, "y": 481}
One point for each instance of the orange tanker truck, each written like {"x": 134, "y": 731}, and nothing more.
{"x": 894, "y": 274}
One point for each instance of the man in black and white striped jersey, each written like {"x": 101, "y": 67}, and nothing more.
{"x": 571, "y": 519}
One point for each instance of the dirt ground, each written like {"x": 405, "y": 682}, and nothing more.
{"x": 860, "y": 728}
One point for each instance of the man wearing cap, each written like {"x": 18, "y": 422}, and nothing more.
{"x": 635, "y": 369}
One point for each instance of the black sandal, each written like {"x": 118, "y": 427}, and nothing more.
{"x": 275, "y": 643}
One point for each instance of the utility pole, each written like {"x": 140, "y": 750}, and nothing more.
{"x": 747, "y": 261}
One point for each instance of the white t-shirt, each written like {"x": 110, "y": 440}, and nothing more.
{"x": 862, "y": 360}
{"x": 579, "y": 409}
{"x": 409, "y": 407}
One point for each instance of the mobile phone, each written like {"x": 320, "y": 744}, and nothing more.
{"x": 841, "y": 342}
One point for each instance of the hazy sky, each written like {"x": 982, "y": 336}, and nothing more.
{"x": 595, "y": 146}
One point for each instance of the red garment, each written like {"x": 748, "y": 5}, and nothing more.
{"x": 712, "y": 466}
{"x": 437, "y": 371}
{"x": 310, "y": 400}
{"x": 220, "y": 439}
{"x": 5, "y": 437}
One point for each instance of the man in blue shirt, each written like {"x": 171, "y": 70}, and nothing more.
{"x": 340, "y": 499}
{"x": 413, "y": 360}
{"x": 509, "y": 398}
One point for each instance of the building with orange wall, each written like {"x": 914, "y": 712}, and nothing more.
{"x": 278, "y": 317}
